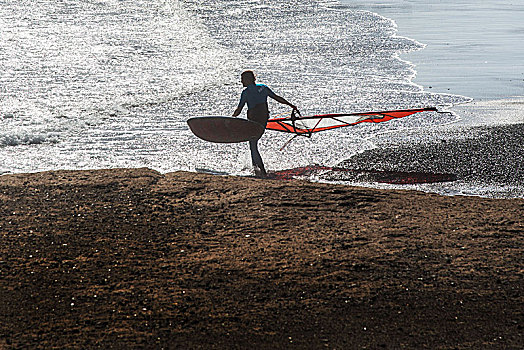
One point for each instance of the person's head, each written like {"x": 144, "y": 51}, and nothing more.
{"x": 247, "y": 78}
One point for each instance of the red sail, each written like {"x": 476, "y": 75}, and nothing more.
{"x": 315, "y": 123}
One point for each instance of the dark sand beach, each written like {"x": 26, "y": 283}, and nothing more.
{"x": 136, "y": 259}
{"x": 486, "y": 160}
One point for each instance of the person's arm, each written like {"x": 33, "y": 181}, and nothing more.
{"x": 237, "y": 111}
{"x": 283, "y": 101}
{"x": 241, "y": 104}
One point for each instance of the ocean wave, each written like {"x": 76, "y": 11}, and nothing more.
{"x": 26, "y": 139}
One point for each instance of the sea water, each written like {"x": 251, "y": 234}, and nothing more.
{"x": 472, "y": 47}
{"x": 107, "y": 84}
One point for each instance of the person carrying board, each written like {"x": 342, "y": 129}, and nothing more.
{"x": 255, "y": 95}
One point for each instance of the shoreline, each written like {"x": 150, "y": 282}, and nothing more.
{"x": 460, "y": 57}
{"x": 132, "y": 257}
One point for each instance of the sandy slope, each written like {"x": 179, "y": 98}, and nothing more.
{"x": 132, "y": 258}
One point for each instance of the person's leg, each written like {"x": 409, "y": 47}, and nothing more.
{"x": 257, "y": 159}
{"x": 260, "y": 115}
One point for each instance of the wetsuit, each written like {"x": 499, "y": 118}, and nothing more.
{"x": 255, "y": 95}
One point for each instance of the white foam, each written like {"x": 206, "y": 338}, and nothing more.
{"x": 26, "y": 139}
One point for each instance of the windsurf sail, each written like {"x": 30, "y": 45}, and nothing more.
{"x": 306, "y": 126}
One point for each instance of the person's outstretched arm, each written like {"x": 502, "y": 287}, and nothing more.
{"x": 284, "y": 101}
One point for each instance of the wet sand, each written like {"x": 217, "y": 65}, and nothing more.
{"x": 486, "y": 160}
{"x": 136, "y": 259}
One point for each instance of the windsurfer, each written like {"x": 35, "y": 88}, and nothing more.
{"x": 255, "y": 95}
